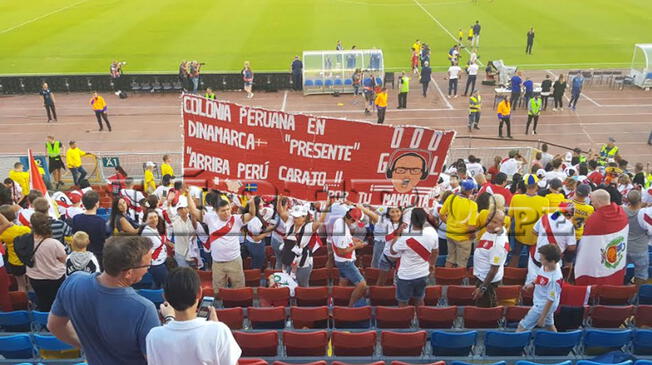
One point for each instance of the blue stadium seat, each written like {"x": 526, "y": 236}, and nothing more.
{"x": 642, "y": 342}
{"x": 468, "y": 363}
{"x": 154, "y": 295}
{"x": 589, "y": 362}
{"x": 39, "y": 320}
{"x": 645, "y": 294}
{"x": 524, "y": 362}
{"x": 643, "y": 362}
{"x": 16, "y": 347}
{"x": 328, "y": 83}
{"x": 601, "y": 341}
{"x": 501, "y": 343}
{"x": 16, "y": 321}
{"x": 548, "y": 343}
{"x": 338, "y": 82}
{"x": 319, "y": 83}
{"x": 452, "y": 343}
{"x": 50, "y": 343}
{"x": 348, "y": 82}
{"x": 309, "y": 83}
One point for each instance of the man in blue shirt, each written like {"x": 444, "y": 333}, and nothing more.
{"x": 576, "y": 90}
{"x": 92, "y": 224}
{"x": 101, "y": 313}
{"x": 529, "y": 90}
{"x": 516, "y": 90}
{"x": 297, "y": 73}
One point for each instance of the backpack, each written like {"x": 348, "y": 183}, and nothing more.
{"x": 24, "y": 247}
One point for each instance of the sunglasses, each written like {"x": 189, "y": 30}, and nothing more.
{"x": 140, "y": 267}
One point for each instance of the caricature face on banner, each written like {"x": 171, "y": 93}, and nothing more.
{"x": 242, "y": 149}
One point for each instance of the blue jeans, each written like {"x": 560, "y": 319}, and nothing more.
{"x": 78, "y": 173}
{"x": 257, "y": 253}
{"x": 407, "y": 289}
{"x": 195, "y": 84}
{"x": 302, "y": 275}
{"x": 276, "y": 246}
{"x": 159, "y": 275}
{"x": 349, "y": 271}
{"x": 379, "y": 247}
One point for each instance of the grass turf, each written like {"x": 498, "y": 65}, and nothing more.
{"x": 83, "y": 36}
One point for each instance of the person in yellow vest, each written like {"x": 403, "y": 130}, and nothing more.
{"x": 99, "y": 107}
{"x": 54, "y": 149}
{"x": 20, "y": 177}
{"x": 209, "y": 95}
{"x": 74, "y": 162}
{"x": 404, "y": 88}
{"x": 166, "y": 168}
{"x": 149, "y": 185}
{"x": 381, "y": 105}
{"x": 608, "y": 151}
{"x": 475, "y": 102}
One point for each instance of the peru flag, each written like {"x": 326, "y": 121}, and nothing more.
{"x": 602, "y": 251}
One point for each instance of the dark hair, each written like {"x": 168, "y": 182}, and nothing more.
{"x": 500, "y": 178}
{"x": 211, "y": 198}
{"x": 544, "y": 147}
{"x": 575, "y": 160}
{"x": 556, "y": 163}
{"x": 83, "y": 184}
{"x": 8, "y": 211}
{"x": 166, "y": 157}
{"x": 123, "y": 253}
{"x": 41, "y": 224}
{"x": 418, "y": 218}
{"x": 90, "y": 199}
{"x": 115, "y": 213}
{"x": 18, "y": 164}
{"x": 129, "y": 181}
{"x": 165, "y": 180}
{"x": 181, "y": 288}
{"x": 550, "y": 253}
{"x": 583, "y": 170}
{"x": 33, "y": 195}
{"x": 221, "y": 203}
{"x": 5, "y": 195}
{"x": 41, "y": 205}
{"x": 483, "y": 201}
{"x": 178, "y": 185}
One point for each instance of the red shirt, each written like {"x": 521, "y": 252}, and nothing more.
{"x": 497, "y": 189}
{"x": 596, "y": 177}
{"x": 493, "y": 171}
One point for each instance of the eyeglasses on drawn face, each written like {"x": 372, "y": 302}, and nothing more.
{"x": 411, "y": 170}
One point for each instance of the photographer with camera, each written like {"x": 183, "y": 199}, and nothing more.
{"x": 116, "y": 78}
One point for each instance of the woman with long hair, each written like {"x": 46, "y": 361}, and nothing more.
{"x": 385, "y": 230}
{"x": 157, "y": 269}
{"x": 120, "y": 221}
{"x": 255, "y": 233}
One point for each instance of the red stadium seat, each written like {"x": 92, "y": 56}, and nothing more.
{"x": 319, "y": 262}
{"x": 403, "y": 343}
{"x": 476, "y": 317}
{"x": 450, "y": 275}
{"x": 371, "y": 275}
{"x": 269, "y": 252}
{"x": 311, "y": 297}
{"x": 305, "y": 343}
{"x": 274, "y": 297}
{"x": 272, "y": 261}
{"x": 616, "y": 294}
{"x": 269, "y": 272}
{"x": 341, "y": 295}
{"x": 405, "y": 363}
{"x": 394, "y": 317}
{"x": 382, "y": 295}
{"x": 603, "y": 316}
{"x": 267, "y": 318}
{"x": 19, "y": 300}
{"x": 363, "y": 261}
{"x": 13, "y": 284}
{"x": 252, "y": 278}
{"x": 319, "y": 277}
{"x": 514, "y": 314}
{"x": 508, "y": 294}
{"x": 643, "y": 316}
{"x": 242, "y": 361}
{"x": 241, "y": 297}
{"x": 246, "y": 264}
{"x": 527, "y": 295}
{"x": 433, "y": 294}
{"x": 460, "y": 295}
{"x": 257, "y": 343}
{"x": 369, "y": 363}
{"x": 351, "y": 317}
{"x": 436, "y": 317}
{"x": 320, "y": 362}
{"x": 206, "y": 278}
{"x": 353, "y": 343}
{"x": 231, "y": 317}
{"x": 514, "y": 275}
{"x": 313, "y": 317}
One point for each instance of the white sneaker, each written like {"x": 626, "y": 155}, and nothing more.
{"x": 449, "y": 96}
{"x": 554, "y": 109}
{"x": 455, "y": 96}
{"x": 562, "y": 109}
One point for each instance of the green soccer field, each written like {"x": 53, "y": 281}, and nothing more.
{"x": 83, "y": 36}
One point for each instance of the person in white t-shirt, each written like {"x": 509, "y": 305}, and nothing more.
{"x": 472, "y": 70}
{"x": 556, "y": 172}
{"x": 133, "y": 198}
{"x": 474, "y": 167}
{"x": 344, "y": 246}
{"x": 553, "y": 229}
{"x": 547, "y": 291}
{"x": 489, "y": 261}
{"x": 158, "y": 269}
{"x": 187, "y": 338}
{"x": 224, "y": 229}
{"x": 258, "y": 229}
{"x": 453, "y": 77}
{"x": 385, "y": 230}
{"x": 418, "y": 249}
{"x": 513, "y": 164}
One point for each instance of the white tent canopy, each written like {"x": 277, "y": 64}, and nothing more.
{"x": 641, "y": 70}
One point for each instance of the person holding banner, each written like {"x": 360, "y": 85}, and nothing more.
{"x": 381, "y": 105}
{"x": 248, "y": 79}
{"x": 344, "y": 246}
{"x": 552, "y": 229}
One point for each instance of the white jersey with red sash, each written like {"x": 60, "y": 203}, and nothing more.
{"x": 552, "y": 229}
{"x": 645, "y": 220}
{"x": 158, "y": 245}
{"x": 547, "y": 287}
{"x": 415, "y": 249}
{"x": 24, "y": 216}
{"x": 224, "y": 238}
{"x": 132, "y": 198}
{"x": 341, "y": 237}
{"x": 491, "y": 250}
{"x": 310, "y": 242}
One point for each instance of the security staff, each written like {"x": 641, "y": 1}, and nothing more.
{"x": 297, "y": 74}
{"x": 54, "y": 148}
{"x": 608, "y": 151}
{"x": 209, "y": 94}
{"x": 533, "y": 112}
{"x": 404, "y": 88}
{"x": 475, "y": 102}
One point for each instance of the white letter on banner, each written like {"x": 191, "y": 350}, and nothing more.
{"x": 191, "y": 128}
{"x": 316, "y": 126}
{"x": 396, "y": 138}
{"x": 382, "y": 163}
{"x": 434, "y": 141}
{"x": 416, "y": 138}
{"x": 243, "y": 113}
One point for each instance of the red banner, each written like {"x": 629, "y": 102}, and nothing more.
{"x": 237, "y": 148}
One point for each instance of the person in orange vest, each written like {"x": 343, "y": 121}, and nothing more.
{"x": 381, "y": 105}
{"x": 99, "y": 107}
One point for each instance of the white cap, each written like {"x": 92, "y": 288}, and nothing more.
{"x": 299, "y": 211}
{"x": 541, "y": 173}
{"x": 568, "y": 157}
{"x": 183, "y": 202}
{"x": 150, "y": 164}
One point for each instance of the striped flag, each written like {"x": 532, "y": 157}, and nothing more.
{"x": 36, "y": 183}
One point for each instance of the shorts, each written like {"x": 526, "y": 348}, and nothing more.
{"x": 349, "y": 271}
{"x": 641, "y": 263}
{"x": 408, "y": 289}
{"x": 247, "y": 84}
{"x": 54, "y": 163}
{"x": 458, "y": 252}
{"x": 15, "y": 270}
{"x": 385, "y": 263}
{"x": 532, "y": 317}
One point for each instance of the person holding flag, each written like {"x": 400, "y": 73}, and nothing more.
{"x": 552, "y": 229}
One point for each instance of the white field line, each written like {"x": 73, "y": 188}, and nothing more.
{"x": 441, "y": 93}
{"x": 41, "y": 17}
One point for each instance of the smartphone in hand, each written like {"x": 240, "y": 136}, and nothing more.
{"x": 206, "y": 303}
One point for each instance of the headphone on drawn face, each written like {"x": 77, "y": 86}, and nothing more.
{"x": 408, "y": 152}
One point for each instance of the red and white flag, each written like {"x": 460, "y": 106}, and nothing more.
{"x": 602, "y": 252}
{"x": 36, "y": 182}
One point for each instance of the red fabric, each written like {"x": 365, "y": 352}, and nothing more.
{"x": 647, "y": 218}
{"x": 417, "y": 247}
{"x": 35, "y": 178}
{"x": 616, "y": 278}
{"x": 606, "y": 220}
{"x": 545, "y": 222}
{"x": 118, "y": 179}
{"x": 596, "y": 177}
{"x": 5, "y": 302}
{"x": 158, "y": 250}
{"x": 24, "y": 221}
{"x": 219, "y": 233}
{"x": 497, "y": 189}
{"x": 493, "y": 171}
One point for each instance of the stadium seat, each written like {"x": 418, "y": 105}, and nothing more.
{"x": 616, "y": 294}
{"x": 240, "y": 297}
{"x": 257, "y": 343}
{"x": 514, "y": 314}
{"x": 452, "y": 343}
{"x": 607, "y": 316}
{"x": 433, "y": 294}
{"x": 341, "y": 295}
{"x": 450, "y": 275}
{"x": 50, "y": 347}
{"x": 436, "y": 317}
{"x": 308, "y": 83}
{"x": 231, "y": 317}
{"x": 382, "y": 295}
{"x": 394, "y": 317}
{"x": 319, "y": 83}
{"x": 527, "y": 295}
{"x": 348, "y": 82}
{"x": 460, "y": 295}
{"x": 319, "y": 262}
{"x": 402, "y": 343}
{"x": 243, "y": 361}
{"x": 642, "y": 342}
{"x": 514, "y": 276}
{"x": 274, "y": 297}
{"x": 337, "y": 82}
{"x": 598, "y": 342}
{"x": 645, "y": 294}
{"x": 39, "y": 321}
{"x": 569, "y": 318}
{"x": 379, "y": 81}
{"x": 266, "y": 318}
{"x": 371, "y": 275}
{"x": 18, "y": 300}
{"x": 501, "y": 343}
{"x": 507, "y": 295}
{"x": 16, "y": 347}
{"x": 311, "y": 297}
{"x": 320, "y": 362}
{"x": 367, "y": 363}
{"x": 351, "y": 317}
{"x": 476, "y": 317}
{"x": 643, "y": 362}
{"x": 16, "y": 321}
{"x": 154, "y": 295}
{"x": 313, "y": 317}
{"x": 353, "y": 343}
{"x": 466, "y": 363}
{"x": 548, "y": 343}
{"x": 252, "y": 278}
{"x": 525, "y": 362}
{"x": 589, "y": 362}
{"x": 328, "y": 83}
{"x": 405, "y": 363}
{"x": 319, "y": 277}
{"x": 305, "y": 343}
{"x": 643, "y": 316}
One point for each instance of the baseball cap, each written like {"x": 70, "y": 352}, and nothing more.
{"x": 299, "y": 211}
{"x": 568, "y": 157}
{"x": 355, "y": 214}
{"x": 530, "y": 179}
{"x": 583, "y": 190}
{"x": 541, "y": 173}
{"x": 467, "y": 184}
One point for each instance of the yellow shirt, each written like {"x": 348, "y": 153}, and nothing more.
{"x": 526, "y": 211}
{"x": 150, "y": 184}
{"x": 555, "y": 199}
{"x": 21, "y": 178}
{"x": 461, "y": 213}
{"x": 166, "y": 169}
{"x": 98, "y": 103}
{"x": 482, "y": 222}
{"x": 8, "y": 237}
{"x": 73, "y": 157}
{"x": 460, "y": 34}
{"x": 582, "y": 212}
{"x": 381, "y": 100}
{"x": 417, "y": 47}
{"x": 504, "y": 108}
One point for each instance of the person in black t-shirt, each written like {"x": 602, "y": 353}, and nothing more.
{"x": 48, "y": 102}
{"x": 530, "y": 41}
{"x": 546, "y": 87}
